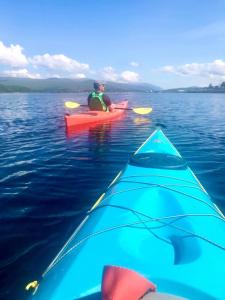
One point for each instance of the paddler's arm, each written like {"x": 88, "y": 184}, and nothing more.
{"x": 107, "y": 101}
{"x": 88, "y": 99}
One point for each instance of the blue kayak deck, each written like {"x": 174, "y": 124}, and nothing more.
{"x": 159, "y": 222}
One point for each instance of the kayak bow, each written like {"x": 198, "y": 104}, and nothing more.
{"x": 155, "y": 219}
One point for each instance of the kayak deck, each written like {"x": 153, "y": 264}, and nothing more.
{"x": 157, "y": 221}
{"x": 91, "y": 117}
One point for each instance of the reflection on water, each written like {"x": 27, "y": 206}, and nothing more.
{"x": 141, "y": 120}
{"x": 99, "y": 138}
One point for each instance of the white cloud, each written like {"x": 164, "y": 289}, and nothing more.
{"x": 213, "y": 70}
{"x": 12, "y": 55}
{"x": 108, "y": 73}
{"x": 59, "y": 62}
{"x": 169, "y": 69}
{"x": 78, "y": 76}
{"x": 23, "y": 73}
{"x": 13, "y": 63}
{"x": 130, "y": 76}
{"x": 57, "y": 65}
{"x": 134, "y": 64}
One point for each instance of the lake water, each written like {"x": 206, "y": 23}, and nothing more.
{"x": 48, "y": 176}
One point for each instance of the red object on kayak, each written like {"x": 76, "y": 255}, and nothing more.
{"x": 121, "y": 284}
{"x": 91, "y": 117}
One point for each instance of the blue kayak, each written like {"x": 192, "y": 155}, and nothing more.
{"x": 155, "y": 219}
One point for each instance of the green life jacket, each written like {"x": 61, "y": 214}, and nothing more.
{"x": 97, "y": 103}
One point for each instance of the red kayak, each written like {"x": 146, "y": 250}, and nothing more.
{"x": 91, "y": 117}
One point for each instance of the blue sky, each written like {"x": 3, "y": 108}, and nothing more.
{"x": 174, "y": 43}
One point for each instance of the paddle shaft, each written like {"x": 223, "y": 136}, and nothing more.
{"x": 137, "y": 110}
{"x": 123, "y": 108}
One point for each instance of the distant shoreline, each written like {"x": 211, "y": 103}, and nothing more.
{"x": 113, "y": 92}
{"x": 65, "y": 85}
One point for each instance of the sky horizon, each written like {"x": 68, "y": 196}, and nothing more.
{"x": 169, "y": 44}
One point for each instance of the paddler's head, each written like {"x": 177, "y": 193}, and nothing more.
{"x": 99, "y": 86}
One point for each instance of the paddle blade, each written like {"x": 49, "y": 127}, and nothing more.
{"x": 71, "y": 104}
{"x": 142, "y": 110}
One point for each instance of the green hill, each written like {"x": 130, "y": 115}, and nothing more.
{"x": 63, "y": 85}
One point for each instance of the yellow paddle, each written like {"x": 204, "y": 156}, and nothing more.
{"x": 71, "y": 104}
{"x": 137, "y": 110}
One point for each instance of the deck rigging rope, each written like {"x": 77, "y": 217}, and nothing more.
{"x": 174, "y": 218}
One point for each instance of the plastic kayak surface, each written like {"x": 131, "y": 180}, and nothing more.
{"x": 91, "y": 117}
{"x": 155, "y": 219}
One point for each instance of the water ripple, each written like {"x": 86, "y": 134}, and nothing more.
{"x": 49, "y": 177}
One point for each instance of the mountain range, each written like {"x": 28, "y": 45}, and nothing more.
{"x": 64, "y": 85}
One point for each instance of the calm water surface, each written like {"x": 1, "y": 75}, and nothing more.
{"x": 48, "y": 177}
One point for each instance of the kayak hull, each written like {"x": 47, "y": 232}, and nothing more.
{"x": 92, "y": 117}
{"x": 156, "y": 219}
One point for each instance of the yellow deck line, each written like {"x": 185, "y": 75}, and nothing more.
{"x": 114, "y": 180}
{"x": 102, "y": 196}
{"x": 98, "y": 201}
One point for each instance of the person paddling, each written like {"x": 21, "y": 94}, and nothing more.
{"x": 98, "y": 100}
